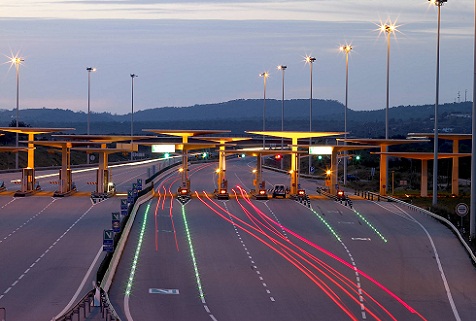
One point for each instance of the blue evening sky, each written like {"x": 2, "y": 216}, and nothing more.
{"x": 195, "y": 52}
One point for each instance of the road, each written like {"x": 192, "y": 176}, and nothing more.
{"x": 244, "y": 259}
{"x": 50, "y": 248}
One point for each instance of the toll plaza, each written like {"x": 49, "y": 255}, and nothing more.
{"x": 185, "y": 146}
{"x": 455, "y": 138}
{"x": 383, "y": 144}
{"x": 28, "y": 182}
{"x": 259, "y": 184}
{"x": 294, "y": 136}
{"x": 222, "y": 182}
{"x": 332, "y": 176}
{"x": 424, "y": 158}
{"x": 103, "y": 184}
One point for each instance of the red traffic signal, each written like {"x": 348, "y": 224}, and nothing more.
{"x": 278, "y": 156}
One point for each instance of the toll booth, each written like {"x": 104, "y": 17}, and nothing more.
{"x": 28, "y": 180}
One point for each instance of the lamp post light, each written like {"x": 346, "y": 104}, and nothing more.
{"x": 472, "y": 207}
{"x": 283, "y": 69}
{"x": 310, "y": 60}
{"x": 388, "y": 29}
{"x": 89, "y": 70}
{"x": 132, "y": 113}
{"x": 346, "y": 49}
{"x": 439, "y": 4}
{"x": 265, "y": 76}
{"x": 17, "y": 62}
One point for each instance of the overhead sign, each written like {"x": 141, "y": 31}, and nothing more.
{"x": 320, "y": 150}
{"x": 163, "y": 148}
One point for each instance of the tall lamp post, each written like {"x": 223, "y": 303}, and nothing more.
{"x": 132, "y": 113}
{"x": 472, "y": 208}
{"x": 282, "y": 68}
{"x": 265, "y": 76}
{"x": 89, "y": 70}
{"x": 388, "y": 29}
{"x": 17, "y": 61}
{"x": 439, "y": 4}
{"x": 346, "y": 49}
{"x": 310, "y": 60}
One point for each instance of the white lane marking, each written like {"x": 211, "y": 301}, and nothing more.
{"x": 437, "y": 257}
{"x": 83, "y": 282}
{"x": 253, "y": 266}
{"x": 27, "y": 221}
{"x": 46, "y": 251}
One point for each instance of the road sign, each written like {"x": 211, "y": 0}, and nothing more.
{"x": 163, "y": 291}
{"x": 108, "y": 237}
{"x": 116, "y": 222}
{"x": 139, "y": 184}
{"x": 461, "y": 209}
{"x": 124, "y": 204}
{"x": 312, "y": 169}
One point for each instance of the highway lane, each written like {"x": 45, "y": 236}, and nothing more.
{"x": 47, "y": 246}
{"x": 375, "y": 261}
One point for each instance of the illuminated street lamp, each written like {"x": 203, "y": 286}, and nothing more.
{"x": 472, "y": 207}
{"x": 434, "y": 202}
{"x": 346, "y": 49}
{"x": 282, "y": 68}
{"x": 17, "y": 62}
{"x": 388, "y": 29}
{"x": 132, "y": 112}
{"x": 310, "y": 60}
{"x": 265, "y": 76}
{"x": 89, "y": 70}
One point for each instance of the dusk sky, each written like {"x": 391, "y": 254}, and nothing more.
{"x": 197, "y": 52}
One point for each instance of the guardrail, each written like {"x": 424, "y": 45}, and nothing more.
{"x": 85, "y": 302}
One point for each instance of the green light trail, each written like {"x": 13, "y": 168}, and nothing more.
{"x": 373, "y": 228}
{"x": 137, "y": 253}
{"x": 192, "y": 254}
{"x": 329, "y": 227}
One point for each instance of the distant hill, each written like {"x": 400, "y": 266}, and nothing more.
{"x": 240, "y": 115}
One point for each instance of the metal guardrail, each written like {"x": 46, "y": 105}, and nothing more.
{"x": 85, "y": 302}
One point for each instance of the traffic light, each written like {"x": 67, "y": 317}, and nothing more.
{"x": 278, "y": 156}
{"x": 166, "y": 155}
{"x": 319, "y": 157}
{"x": 357, "y": 157}
{"x": 204, "y": 155}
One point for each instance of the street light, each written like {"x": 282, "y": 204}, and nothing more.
{"x": 265, "y": 76}
{"x": 17, "y": 62}
{"x": 282, "y": 68}
{"x": 434, "y": 201}
{"x": 310, "y": 60}
{"x": 346, "y": 49}
{"x": 472, "y": 207}
{"x": 89, "y": 70}
{"x": 132, "y": 113}
{"x": 388, "y": 29}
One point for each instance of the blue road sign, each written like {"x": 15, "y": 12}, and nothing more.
{"x": 108, "y": 237}
{"x": 124, "y": 204}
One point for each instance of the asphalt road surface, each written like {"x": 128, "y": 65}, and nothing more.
{"x": 245, "y": 259}
{"x": 50, "y": 248}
